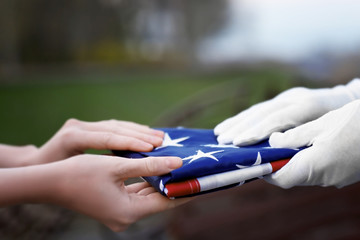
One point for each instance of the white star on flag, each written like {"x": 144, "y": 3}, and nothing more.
{"x": 220, "y": 146}
{"x": 257, "y": 162}
{"x": 201, "y": 154}
{"x": 172, "y": 142}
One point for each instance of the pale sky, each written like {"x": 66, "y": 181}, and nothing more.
{"x": 288, "y": 30}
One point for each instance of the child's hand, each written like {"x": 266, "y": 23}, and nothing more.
{"x": 77, "y": 136}
{"x": 92, "y": 185}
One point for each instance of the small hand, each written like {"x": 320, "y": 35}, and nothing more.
{"x": 94, "y": 185}
{"x": 77, "y": 136}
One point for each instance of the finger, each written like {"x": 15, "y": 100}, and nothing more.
{"x": 146, "y": 137}
{"x": 301, "y": 136}
{"x": 92, "y": 126}
{"x": 152, "y": 139}
{"x": 170, "y": 203}
{"x": 136, "y": 127}
{"x": 237, "y": 129}
{"x": 305, "y": 134}
{"x": 231, "y": 122}
{"x": 146, "y": 191}
{"x": 141, "y": 128}
{"x": 150, "y": 166}
{"x": 296, "y": 172}
{"x": 155, "y": 202}
{"x": 136, "y": 187}
{"x": 250, "y": 118}
{"x": 106, "y": 140}
{"x": 278, "y": 121}
{"x": 224, "y": 125}
{"x": 129, "y": 129}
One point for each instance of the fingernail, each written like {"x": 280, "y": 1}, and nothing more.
{"x": 147, "y": 146}
{"x": 173, "y": 162}
{"x": 156, "y": 140}
{"x": 158, "y": 133}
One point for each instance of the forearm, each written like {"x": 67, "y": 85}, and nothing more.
{"x": 354, "y": 88}
{"x": 17, "y": 156}
{"x": 34, "y": 184}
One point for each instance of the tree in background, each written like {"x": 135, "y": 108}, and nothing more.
{"x": 41, "y": 31}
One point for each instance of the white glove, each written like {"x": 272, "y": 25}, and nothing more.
{"x": 289, "y": 109}
{"x": 333, "y": 158}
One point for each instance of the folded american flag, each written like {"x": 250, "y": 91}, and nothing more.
{"x": 209, "y": 166}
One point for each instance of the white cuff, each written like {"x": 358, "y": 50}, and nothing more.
{"x": 354, "y": 88}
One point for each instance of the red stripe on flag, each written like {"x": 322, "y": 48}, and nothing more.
{"x": 183, "y": 188}
{"x": 276, "y": 165}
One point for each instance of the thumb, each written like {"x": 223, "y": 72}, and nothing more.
{"x": 300, "y": 136}
{"x": 150, "y": 166}
{"x": 294, "y": 173}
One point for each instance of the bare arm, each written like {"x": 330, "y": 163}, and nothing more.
{"x": 13, "y": 156}
{"x": 28, "y": 184}
{"x": 76, "y": 136}
{"x": 92, "y": 185}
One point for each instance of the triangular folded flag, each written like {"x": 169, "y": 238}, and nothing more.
{"x": 209, "y": 166}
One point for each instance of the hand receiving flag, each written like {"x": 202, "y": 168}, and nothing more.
{"x": 209, "y": 166}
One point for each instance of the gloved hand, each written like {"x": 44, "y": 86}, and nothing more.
{"x": 333, "y": 158}
{"x": 289, "y": 109}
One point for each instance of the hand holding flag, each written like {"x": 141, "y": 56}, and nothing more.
{"x": 207, "y": 165}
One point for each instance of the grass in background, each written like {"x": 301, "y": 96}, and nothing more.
{"x": 34, "y": 108}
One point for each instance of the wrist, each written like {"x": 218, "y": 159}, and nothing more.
{"x": 34, "y": 184}
{"x": 341, "y": 95}
{"x": 63, "y": 184}
{"x": 17, "y": 156}
{"x": 28, "y": 156}
{"x": 354, "y": 88}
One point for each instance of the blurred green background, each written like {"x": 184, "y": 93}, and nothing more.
{"x": 160, "y": 63}
{"x": 33, "y": 110}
